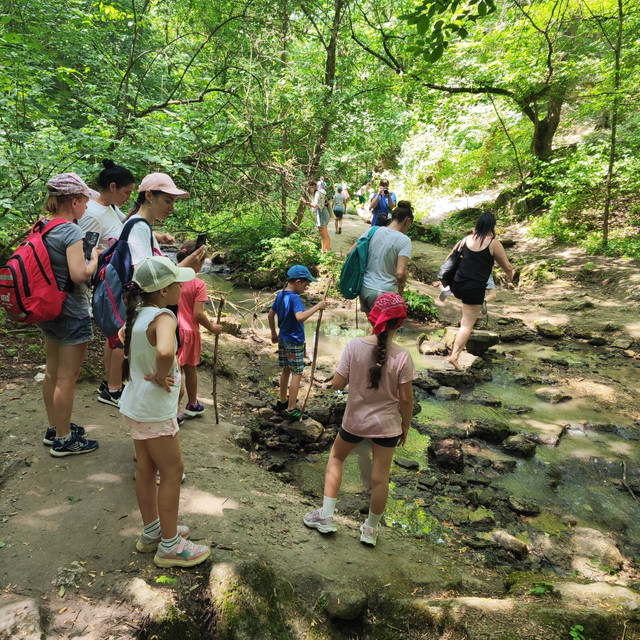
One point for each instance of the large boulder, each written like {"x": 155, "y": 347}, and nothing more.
{"x": 519, "y": 445}
{"x": 548, "y": 329}
{"x": 552, "y": 395}
{"x": 447, "y": 453}
{"x": 510, "y": 543}
{"x": 479, "y": 341}
{"x": 304, "y": 431}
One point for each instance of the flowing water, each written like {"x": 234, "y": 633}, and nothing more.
{"x": 591, "y": 434}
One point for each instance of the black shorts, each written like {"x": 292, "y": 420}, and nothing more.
{"x": 383, "y": 442}
{"x": 338, "y": 213}
{"x": 468, "y": 291}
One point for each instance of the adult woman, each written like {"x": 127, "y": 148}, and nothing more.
{"x": 66, "y": 338}
{"x": 116, "y": 184}
{"x": 320, "y": 210}
{"x": 479, "y": 251}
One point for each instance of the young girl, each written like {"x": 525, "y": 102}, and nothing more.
{"x": 379, "y": 407}
{"x": 191, "y": 316}
{"x": 149, "y": 404}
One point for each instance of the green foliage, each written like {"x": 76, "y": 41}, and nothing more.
{"x": 281, "y": 253}
{"x": 576, "y": 632}
{"x": 541, "y": 590}
{"x": 419, "y": 306}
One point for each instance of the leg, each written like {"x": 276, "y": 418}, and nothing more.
{"x": 284, "y": 384}
{"x": 70, "y": 360}
{"x": 114, "y": 371}
{"x": 490, "y": 295}
{"x": 191, "y": 382}
{"x": 470, "y": 313}
{"x": 107, "y": 353}
{"x": 336, "y": 221}
{"x": 146, "y": 486}
{"x": 382, "y": 458}
{"x": 166, "y": 456}
{"x": 50, "y": 382}
{"x": 364, "y": 462}
{"x": 296, "y": 379}
{"x": 333, "y": 475}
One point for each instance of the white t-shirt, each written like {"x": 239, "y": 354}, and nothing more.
{"x": 143, "y": 400}
{"x": 382, "y": 260}
{"x": 139, "y": 242}
{"x": 107, "y": 220}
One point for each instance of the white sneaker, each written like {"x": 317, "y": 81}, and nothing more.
{"x": 444, "y": 294}
{"x": 368, "y": 535}
{"x": 314, "y": 520}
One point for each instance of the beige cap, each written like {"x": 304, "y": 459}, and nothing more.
{"x": 157, "y": 272}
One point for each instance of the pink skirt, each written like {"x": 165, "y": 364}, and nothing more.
{"x": 190, "y": 347}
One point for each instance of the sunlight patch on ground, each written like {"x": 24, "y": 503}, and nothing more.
{"x": 109, "y": 478}
{"x": 486, "y": 604}
{"x": 194, "y": 501}
{"x": 633, "y": 329}
{"x": 602, "y": 392}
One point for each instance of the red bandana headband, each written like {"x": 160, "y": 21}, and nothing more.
{"x": 387, "y": 307}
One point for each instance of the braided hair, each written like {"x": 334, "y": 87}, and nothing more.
{"x": 133, "y": 297}
{"x": 375, "y": 372}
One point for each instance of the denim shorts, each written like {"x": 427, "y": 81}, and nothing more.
{"x": 68, "y": 331}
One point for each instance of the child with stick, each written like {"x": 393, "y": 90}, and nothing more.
{"x": 379, "y": 407}
{"x": 149, "y": 404}
{"x": 291, "y": 340}
{"x": 191, "y": 317}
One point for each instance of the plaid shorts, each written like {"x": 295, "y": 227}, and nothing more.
{"x": 291, "y": 356}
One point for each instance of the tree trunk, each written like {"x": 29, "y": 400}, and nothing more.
{"x": 329, "y": 81}
{"x": 544, "y": 129}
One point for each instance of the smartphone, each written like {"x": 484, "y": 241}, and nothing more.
{"x": 90, "y": 241}
{"x": 202, "y": 239}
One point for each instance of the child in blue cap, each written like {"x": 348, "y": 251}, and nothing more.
{"x": 291, "y": 341}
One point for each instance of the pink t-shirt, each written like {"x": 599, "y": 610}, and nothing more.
{"x": 192, "y": 292}
{"x": 374, "y": 413}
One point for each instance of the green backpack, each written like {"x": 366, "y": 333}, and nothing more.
{"x": 354, "y": 267}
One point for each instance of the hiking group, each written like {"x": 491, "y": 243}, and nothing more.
{"x": 151, "y": 311}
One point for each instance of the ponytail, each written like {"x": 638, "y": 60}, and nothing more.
{"x": 132, "y": 298}
{"x": 375, "y": 372}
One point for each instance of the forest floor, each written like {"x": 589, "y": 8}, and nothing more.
{"x": 68, "y": 525}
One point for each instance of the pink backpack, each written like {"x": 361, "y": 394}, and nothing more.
{"x": 28, "y": 289}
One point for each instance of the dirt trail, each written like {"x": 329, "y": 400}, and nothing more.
{"x": 54, "y": 512}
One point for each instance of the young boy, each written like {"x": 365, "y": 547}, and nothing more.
{"x": 291, "y": 342}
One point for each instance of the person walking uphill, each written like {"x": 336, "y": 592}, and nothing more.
{"x": 388, "y": 257}
{"x": 479, "y": 250}
{"x": 149, "y": 405}
{"x": 379, "y": 407}
{"x": 291, "y": 340}
{"x": 66, "y": 338}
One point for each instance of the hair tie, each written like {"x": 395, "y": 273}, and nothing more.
{"x": 379, "y": 364}
{"x": 133, "y": 287}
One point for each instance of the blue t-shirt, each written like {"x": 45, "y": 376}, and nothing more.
{"x": 383, "y": 206}
{"x": 286, "y": 305}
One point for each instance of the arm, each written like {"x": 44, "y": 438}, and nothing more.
{"x": 163, "y": 331}
{"x": 301, "y": 316}
{"x": 193, "y": 260}
{"x": 392, "y": 201}
{"x": 164, "y": 238}
{"x": 339, "y": 382}
{"x": 353, "y": 246}
{"x": 272, "y": 325}
{"x": 405, "y": 396}
{"x": 79, "y": 269}
{"x": 501, "y": 258}
{"x": 401, "y": 272}
{"x": 203, "y": 319}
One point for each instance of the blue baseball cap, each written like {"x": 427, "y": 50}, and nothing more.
{"x": 301, "y": 272}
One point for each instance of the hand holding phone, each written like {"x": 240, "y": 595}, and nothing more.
{"x": 90, "y": 241}
{"x": 202, "y": 239}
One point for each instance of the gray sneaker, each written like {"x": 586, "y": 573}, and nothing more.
{"x": 444, "y": 294}
{"x": 314, "y": 520}
{"x": 483, "y": 309}
{"x": 368, "y": 535}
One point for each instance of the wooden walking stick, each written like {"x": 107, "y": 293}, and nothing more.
{"x": 215, "y": 365}
{"x": 315, "y": 351}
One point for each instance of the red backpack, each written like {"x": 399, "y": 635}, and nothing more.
{"x": 28, "y": 289}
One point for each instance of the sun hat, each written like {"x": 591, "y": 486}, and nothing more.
{"x": 70, "y": 184}
{"x": 387, "y": 307}
{"x": 161, "y": 182}
{"x": 301, "y": 272}
{"x": 157, "y": 272}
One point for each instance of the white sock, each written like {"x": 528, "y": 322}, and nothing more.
{"x": 171, "y": 542}
{"x": 328, "y": 507}
{"x": 153, "y": 530}
{"x": 373, "y": 520}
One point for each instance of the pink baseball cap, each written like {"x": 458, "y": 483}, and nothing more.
{"x": 161, "y": 182}
{"x": 70, "y": 184}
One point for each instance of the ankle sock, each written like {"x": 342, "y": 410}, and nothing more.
{"x": 373, "y": 520}
{"x": 153, "y": 530}
{"x": 64, "y": 438}
{"x": 167, "y": 545}
{"x": 328, "y": 507}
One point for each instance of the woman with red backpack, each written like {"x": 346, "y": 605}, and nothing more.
{"x": 67, "y": 336}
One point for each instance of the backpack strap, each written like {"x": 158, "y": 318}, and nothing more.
{"x": 128, "y": 225}
{"x": 43, "y": 226}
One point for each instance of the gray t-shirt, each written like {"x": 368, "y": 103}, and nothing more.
{"x": 76, "y": 304}
{"x": 382, "y": 260}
